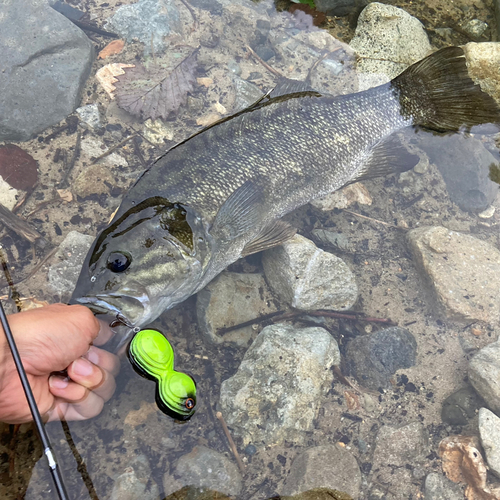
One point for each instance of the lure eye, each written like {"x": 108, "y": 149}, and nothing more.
{"x": 189, "y": 404}
{"x": 118, "y": 262}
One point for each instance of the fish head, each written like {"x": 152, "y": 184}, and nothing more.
{"x": 145, "y": 261}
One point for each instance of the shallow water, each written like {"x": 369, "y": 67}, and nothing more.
{"x": 92, "y": 454}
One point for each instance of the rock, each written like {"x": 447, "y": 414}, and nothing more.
{"x": 147, "y": 21}
{"x": 339, "y": 7}
{"x": 483, "y": 61}
{"x": 94, "y": 180}
{"x": 461, "y": 406}
{"x": 373, "y": 359}
{"x": 327, "y": 466}
{"x": 309, "y": 278}
{"x": 439, "y": 487}
{"x": 90, "y": 115}
{"x": 276, "y": 392}
{"x": 464, "y": 163}
{"x": 135, "y": 482}
{"x": 489, "y": 431}
{"x": 231, "y": 299}
{"x": 319, "y": 494}
{"x": 388, "y": 40}
{"x": 46, "y": 60}
{"x": 69, "y": 260}
{"x": 484, "y": 374}
{"x": 475, "y": 27}
{"x": 345, "y": 197}
{"x": 8, "y": 195}
{"x": 94, "y": 148}
{"x": 337, "y": 241}
{"x": 463, "y": 272}
{"x": 204, "y": 468}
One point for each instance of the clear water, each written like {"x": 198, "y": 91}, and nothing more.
{"x": 92, "y": 454}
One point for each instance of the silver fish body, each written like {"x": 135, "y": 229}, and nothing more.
{"x": 220, "y": 194}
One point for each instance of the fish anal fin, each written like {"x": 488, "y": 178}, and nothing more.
{"x": 389, "y": 156}
{"x": 275, "y": 233}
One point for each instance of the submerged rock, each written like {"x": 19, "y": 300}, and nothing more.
{"x": 46, "y": 60}
{"x": 463, "y": 272}
{"x": 489, "y": 431}
{"x": 339, "y": 7}
{"x": 483, "y": 61}
{"x": 461, "y": 406}
{"x": 309, "y": 278}
{"x": 135, "y": 482}
{"x": 439, "y": 487}
{"x": 276, "y": 392}
{"x": 328, "y": 466}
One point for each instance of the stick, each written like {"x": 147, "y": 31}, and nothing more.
{"x": 375, "y": 220}
{"x": 255, "y": 56}
{"x": 241, "y": 465}
{"x": 114, "y": 148}
{"x": 21, "y": 227}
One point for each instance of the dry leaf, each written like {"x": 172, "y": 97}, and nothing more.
{"x": 106, "y": 76}
{"x": 138, "y": 417}
{"x": 65, "y": 194}
{"x": 207, "y": 120}
{"x": 220, "y": 108}
{"x": 32, "y": 303}
{"x": 206, "y": 82}
{"x": 113, "y": 215}
{"x": 114, "y": 47}
{"x": 18, "y": 168}
{"x": 352, "y": 400}
{"x": 152, "y": 93}
{"x": 463, "y": 463}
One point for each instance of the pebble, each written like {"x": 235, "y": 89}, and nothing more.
{"x": 135, "y": 482}
{"x": 63, "y": 274}
{"x": 8, "y": 195}
{"x": 308, "y": 278}
{"x": 488, "y": 213}
{"x": 484, "y": 374}
{"x": 463, "y": 272}
{"x": 147, "y": 21}
{"x": 204, "y": 468}
{"x": 94, "y": 180}
{"x": 489, "y": 431}
{"x": 461, "y": 406}
{"x": 373, "y": 359}
{"x": 475, "y": 28}
{"x": 46, "y": 60}
{"x": 439, "y": 487}
{"x": 231, "y": 299}
{"x": 388, "y": 40}
{"x": 327, "y": 466}
{"x": 277, "y": 391}
{"x": 331, "y": 239}
{"x": 90, "y": 115}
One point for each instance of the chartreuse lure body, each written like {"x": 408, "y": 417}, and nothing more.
{"x": 152, "y": 357}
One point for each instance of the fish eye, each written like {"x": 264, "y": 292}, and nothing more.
{"x": 118, "y": 262}
{"x": 189, "y": 404}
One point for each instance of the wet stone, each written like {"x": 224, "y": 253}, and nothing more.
{"x": 94, "y": 180}
{"x": 483, "y": 62}
{"x": 277, "y": 391}
{"x": 204, "y": 468}
{"x": 439, "y": 487}
{"x": 90, "y": 115}
{"x": 328, "y": 466}
{"x": 231, "y": 299}
{"x": 461, "y": 406}
{"x": 484, "y": 374}
{"x": 46, "y": 60}
{"x": 489, "y": 431}
{"x": 339, "y": 7}
{"x": 373, "y": 359}
{"x": 135, "y": 482}
{"x": 462, "y": 272}
{"x": 331, "y": 239}
{"x": 308, "y": 278}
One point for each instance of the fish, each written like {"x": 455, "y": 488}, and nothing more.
{"x": 221, "y": 194}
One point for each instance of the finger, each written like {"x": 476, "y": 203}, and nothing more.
{"x": 64, "y": 388}
{"x": 85, "y": 373}
{"x": 104, "y": 359}
{"x": 90, "y": 407}
{"x": 105, "y": 333}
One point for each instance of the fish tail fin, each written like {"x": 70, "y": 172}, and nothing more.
{"x": 437, "y": 93}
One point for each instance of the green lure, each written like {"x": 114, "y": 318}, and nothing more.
{"x": 152, "y": 357}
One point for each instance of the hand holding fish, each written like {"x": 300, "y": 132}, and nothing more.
{"x": 52, "y": 339}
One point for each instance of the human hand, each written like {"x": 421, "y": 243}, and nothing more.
{"x": 51, "y": 339}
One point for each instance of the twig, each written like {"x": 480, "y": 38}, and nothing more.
{"x": 376, "y": 220}
{"x": 20, "y": 226}
{"x": 72, "y": 161}
{"x": 138, "y": 153}
{"x": 191, "y": 11}
{"x": 112, "y": 149}
{"x": 269, "y": 68}
{"x": 315, "y": 65}
{"x": 231, "y": 442}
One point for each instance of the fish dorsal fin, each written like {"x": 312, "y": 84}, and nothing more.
{"x": 389, "y": 156}
{"x": 240, "y": 212}
{"x": 289, "y": 86}
{"x": 275, "y": 233}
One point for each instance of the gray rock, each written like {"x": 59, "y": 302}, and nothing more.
{"x": 135, "y": 482}
{"x": 464, "y": 164}
{"x": 484, "y": 374}
{"x": 204, "y": 468}
{"x": 90, "y": 115}
{"x": 69, "y": 258}
{"x": 147, "y": 21}
{"x": 327, "y": 466}
{"x": 373, "y": 359}
{"x": 475, "y": 27}
{"x": 276, "y": 392}
{"x": 461, "y": 406}
{"x": 439, "y": 487}
{"x": 338, "y": 241}
{"x": 489, "y": 431}
{"x": 462, "y": 272}
{"x": 388, "y": 40}
{"x": 339, "y": 7}
{"x": 46, "y": 60}
{"x": 231, "y": 299}
{"x": 309, "y": 278}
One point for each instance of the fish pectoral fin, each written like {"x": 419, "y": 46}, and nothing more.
{"x": 389, "y": 156}
{"x": 275, "y": 233}
{"x": 240, "y": 212}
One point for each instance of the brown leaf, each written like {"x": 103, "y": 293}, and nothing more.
{"x": 152, "y": 94}
{"x": 114, "y": 47}
{"x": 352, "y": 400}
{"x": 106, "y": 76}
{"x": 65, "y": 194}
{"x": 17, "y": 167}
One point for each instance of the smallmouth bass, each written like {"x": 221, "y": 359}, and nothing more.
{"x": 220, "y": 194}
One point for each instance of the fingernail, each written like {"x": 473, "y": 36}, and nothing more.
{"x": 92, "y": 355}
{"x": 82, "y": 367}
{"x": 58, "y": 382}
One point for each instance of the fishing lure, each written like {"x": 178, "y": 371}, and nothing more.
{"x": 152, "y": 357}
